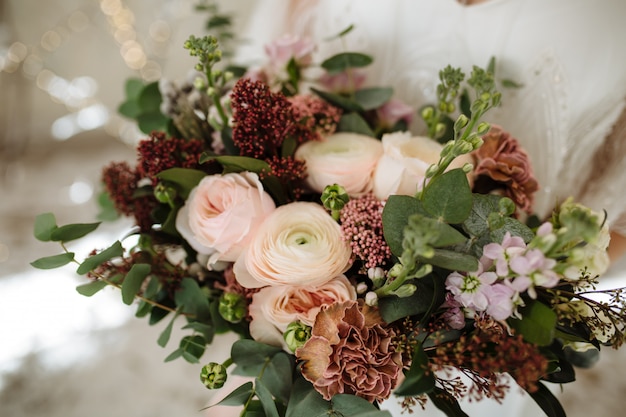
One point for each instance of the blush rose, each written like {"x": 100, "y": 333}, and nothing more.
{"x": 273, "y": 308}
{"x": 222, "y": 213}
{"x": 406, "y": 158}
{"x": 347, "y": 159}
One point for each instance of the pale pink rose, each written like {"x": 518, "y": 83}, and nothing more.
{"x": 347, "y": 159}
{"x": 283, "y": 49}
{"x": 402, "y": 167}
{"x": 222, "y": 213}
{"x": 274, "y": 308}
{"x": 394, "y": 111}
{"x": 298, "y": 244}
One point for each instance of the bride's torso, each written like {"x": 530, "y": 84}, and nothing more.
{"x": 566, "y": 54}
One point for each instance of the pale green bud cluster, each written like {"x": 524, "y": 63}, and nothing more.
{"x": 334, "y": 198}
{"x": 296, "y": 335}
{"x": 232, "y": 307}
{"x": 213, "y": 375}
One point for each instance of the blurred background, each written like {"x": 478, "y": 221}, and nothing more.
{"x": 63, "y": 64}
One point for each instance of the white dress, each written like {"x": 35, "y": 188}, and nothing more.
{"x": 568, "y": 55}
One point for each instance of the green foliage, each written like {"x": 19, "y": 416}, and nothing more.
{"x": 133, "y": 280}
{"x": 537, "y": 324}
{"x": 113, "y": 251}
{"x": 46, "y": 229}
{"x": 444, "y": 401}
{"x": 343, "y": 61}
{"x": 184, "y": 179}
{"x": 142, "y": 104}
{"x": 44, "y": 225}
{"x": 250, "y": 356}
{"x": 54, "y": 261}
{"x": 419, "y": 379}
{"x": 373, "y": 98}
{"x": 353, "y": 122}
{"x": 91, "y": 288}
{"x": 192, "y": 300}
{"x": 449, "y": 197}
{"x": 427, "y": 296}
{"x": 547, "y": 401}
{"x": 395, "y": 217}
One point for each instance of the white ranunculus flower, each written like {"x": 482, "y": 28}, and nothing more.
{"x": 298, "y": 244}
{"x": 406, "y": 158}
{"x": 273, "y": 308}
{"x": 347, "y": 159}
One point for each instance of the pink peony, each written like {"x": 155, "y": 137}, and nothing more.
{"x": 274, "y": 308}
{"x": 351, "y": 352}
{"x": 222, "y": 213}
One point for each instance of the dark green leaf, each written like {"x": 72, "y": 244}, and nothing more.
{"x": 343, "y": 102}
{"x": 107, "y": 211}
{"x": 185, "y": 178}
{"x": 91, "y": 288}
{"x": 278, "y": 376}
{"x": 133, "y": 87}
{"x": 446, "y": 403}
{"x": 71, "y": 232}
{"x": 351, "y": 405}
{"x": 515, "y": 228}
{"x": 130, "y": 109}
{"x": 193, "y": 348}
{"x": 174, "y": 355}
{"x": 373, "y": 98}
{"x": 449, "y": 197}
{"x": 149, "y": 98}
{"x": 151, "y": 121}
{"x": 306, "y": 401}
{"x": 250, "y": 356}
{"x": 92, "y": 262}
{"x": 507, "y": 83}
{"x": 340, "y": 34}
{"x": 234, "y": 163}
{"x": 537, "y": 324}
{"x": 165, "y": 335}
{"x": 54, "y": 261}
{"x": 45, "y": 224}
{"x": 266, "y": 399}
{"x": 345, "y": 60}
{"x": 132, "y": 282}
{"x": 420, "y": 379}
{"x": 239, "y": 396}
{"x": 205, "y": 329}
{"x": 192, "y": 299}
{"x": 353, "y": 122}
{"x": 547, "y": 401}
{"x": 396, "y": 215}
{"x": 393, "y": 308}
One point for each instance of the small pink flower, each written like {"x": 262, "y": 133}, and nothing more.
{"x": 394, "y": 111}
{"x": 501, "y": 301}
{"x": 288, "y": 47}
{"x": 343, "y": 82}
{"x": 471, "y": 290}
{"x": 534, "y": 269}
{"x": 502, "y": 254}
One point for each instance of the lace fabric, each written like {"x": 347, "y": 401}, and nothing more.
{"x": 567, "y": 55}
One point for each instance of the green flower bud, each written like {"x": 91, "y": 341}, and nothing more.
{"x": 296, "y": 335}
{"x": 334, "y": 198}
{"x": 213, "y": 375}
{"x": 371, "y": 299}
{"x": 483, "y": 128}
{"x": 428, "y": 113}
{"x": 228, "y": 75}
{"x": 467, "y": 168}
{"x": 431, "y": 170}
{"x": 440, "y": 129}
{"x": 232, "y": 307}
{"x": 405, "y": 290}
{"x": 461, "y": 122}
{"x": 450, "y": 108}
{"x": 395, "y": 271}
{"x": 164, "y": 194}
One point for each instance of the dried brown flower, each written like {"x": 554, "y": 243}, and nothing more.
{"x": 351, "y": 352}
{"x": 501, "y": 164}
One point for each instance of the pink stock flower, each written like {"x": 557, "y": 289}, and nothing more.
{"x": 502, "y": 253}
{"x": 533, "y": 269}
{"x": 471, "y": 290}
{"x": 501, "y": 301}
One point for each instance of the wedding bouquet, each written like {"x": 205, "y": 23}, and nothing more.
{"x": 289, "y": 204}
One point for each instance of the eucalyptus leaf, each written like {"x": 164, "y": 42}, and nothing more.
{"x": 206, "y": 329}
{"x": 449, "y": 197}
{"x": 537, "y": 325}
{"x": 306, "y": 401}
{"x": 343, "y": 102}
{"x": 547, "y": 401}
{"x": 234, "y": 163}
{"x": 239, "y": 396}
{"x": 250, "y": 356}
{"x": 92, "y": 262}
{"x": 395, "y": 217}
{"x": 90, "y": 288}
{"x": 266, "y": 399}
{"x": 193, "y": 348}
{"x": 130, "y": 109}
{"x": 71, "y": 232}
{"x": 133, "y": 87}
{"x": 353, "y": 122}
{"x": 191, "y": 299}
{"x": 373, "y": 98}
{"x": 351, "y": 405}
{"x": 151, "y": 121}
{"x": 278, "y": 376}
{"x": 45, "y": 224}
{"x": 174, "y": 355}
{"x": 165, "y": 335}
{"x": 132, "y": 282}
{"x": 150, "y": 98}
{"x": 452, "y": 260}
{"x": 345, "y": 60}
{"x": 394, "y": 308}
{"x": 54, "y": 261}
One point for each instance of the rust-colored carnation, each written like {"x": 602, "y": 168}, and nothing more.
{"x": 501, "y": 164}
{"x": 351, "y": 352}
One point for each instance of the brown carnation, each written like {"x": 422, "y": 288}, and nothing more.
{"x": 351, "y": 352}
{"x": 501, "y": 164}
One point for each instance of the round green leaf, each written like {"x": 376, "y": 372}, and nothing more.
{"x": 55, "y": 261}
{"x": 44, "y": 226}
{"x": 449, "y": 197}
